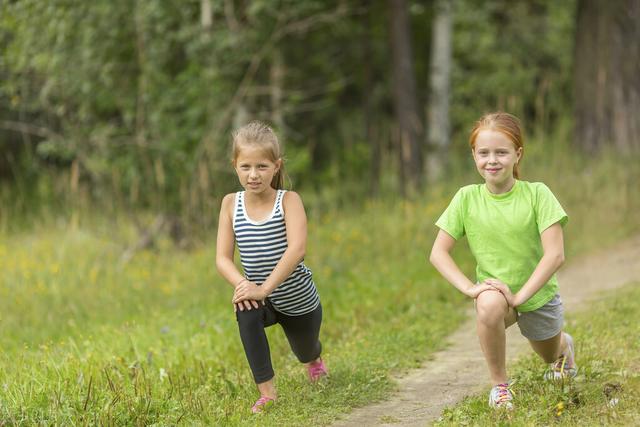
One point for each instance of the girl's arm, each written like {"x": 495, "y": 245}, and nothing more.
{"x": 443, "y": 262}
{"x": 296, "y": 224}
{"x": 225, "y": 246}
{"x": 552, "y": 259}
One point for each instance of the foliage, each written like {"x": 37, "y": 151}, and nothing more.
{"x": 514, "y": 57}
{"x": 130, "y": 104}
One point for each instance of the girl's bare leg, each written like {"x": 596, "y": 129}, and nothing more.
{"x": 494, "y": 316}
{"x": 267, "y": 389}
{"x": 551, "y": 348}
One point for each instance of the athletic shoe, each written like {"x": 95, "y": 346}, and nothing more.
{"x": 317, "y": 370}
{"x": 565, "y": 367}
{"x": 501, "y": 396}
{"x": 262, "y": 404}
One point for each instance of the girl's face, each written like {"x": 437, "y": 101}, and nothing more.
{"x": 255, "y": 169}
{"x": 495, "y": 156}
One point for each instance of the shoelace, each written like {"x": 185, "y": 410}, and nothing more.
{"x": 504, "y": 393}
{"x": 561, "y": 364}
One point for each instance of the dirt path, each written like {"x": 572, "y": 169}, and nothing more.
{"x": 459, "y": 370}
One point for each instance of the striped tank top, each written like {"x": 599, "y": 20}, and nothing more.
{"x": 261, "y": 245}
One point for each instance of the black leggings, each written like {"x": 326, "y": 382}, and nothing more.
{"x": 302, "y": 333}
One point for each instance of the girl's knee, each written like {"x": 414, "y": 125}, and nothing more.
{"x": 307, "y": 353}
{"x": 250, "y": 317}
{"x": 491, "y": 306}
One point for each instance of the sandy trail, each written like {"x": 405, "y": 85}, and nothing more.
{"x": 459, "y": 370}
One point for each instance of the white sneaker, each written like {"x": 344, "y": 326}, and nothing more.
{"x": 565, "y": 366}
{"x": 501, "y": 396}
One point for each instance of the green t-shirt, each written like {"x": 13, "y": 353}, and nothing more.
{"x": 504, "y": 230}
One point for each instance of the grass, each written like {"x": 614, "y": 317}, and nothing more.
{"x": 606, "y": 390}
{"x": 88, "y": 340}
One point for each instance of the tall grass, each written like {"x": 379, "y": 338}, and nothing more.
{"x": 86, "y": 338}
{"x": 601, "y": 193}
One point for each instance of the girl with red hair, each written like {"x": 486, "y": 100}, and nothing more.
{"x": 514, "y": 230}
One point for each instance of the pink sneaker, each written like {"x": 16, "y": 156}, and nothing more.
{"x": 262, "y": 404}
{"x": 317, "y": 370}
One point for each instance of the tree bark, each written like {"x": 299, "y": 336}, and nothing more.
{"x": 404, "y": 99}
{"x": 276, "y": 77}
{"x": 206, "y": 14}
{"x": 606, "y": 75}
{"x": 438, "y": 127}
{"x": 368, "y": 101}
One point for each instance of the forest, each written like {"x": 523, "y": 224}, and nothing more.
{"x": 129, "y": 105}
{"x": 115, "y": 132}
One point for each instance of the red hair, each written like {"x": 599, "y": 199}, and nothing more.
{"x": 502, "y": 122}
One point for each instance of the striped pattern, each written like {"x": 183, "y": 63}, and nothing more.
{"x": 261, "y": 245}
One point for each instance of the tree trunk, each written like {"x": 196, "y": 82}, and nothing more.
{"x": 142, "y": 128}
{"x": 607, "y": 70}
{"x": 404, "y": 99}
{"x": 438, "y": 127}
{"x": 241, "y": 116}
{"x": 276, "y": 77}
{"x": 206, "y": 14}
{"x": 368, "y": 102}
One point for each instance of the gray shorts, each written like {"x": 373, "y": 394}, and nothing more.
{"x": 543, "y": 323}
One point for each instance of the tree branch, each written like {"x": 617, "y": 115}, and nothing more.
{"x": 28, "y": 128}
{"x": 298, "y": 27}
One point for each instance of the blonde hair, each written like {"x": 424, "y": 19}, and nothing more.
{"x": 258, "y": 134}
{"x": 502, "y": 122}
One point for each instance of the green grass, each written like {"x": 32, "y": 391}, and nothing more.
{"x": 87, "y": 340}
{"x": 606, "y": 390}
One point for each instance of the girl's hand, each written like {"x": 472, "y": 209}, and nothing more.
{"x": 246, "y": 305}
{"x": 504, "y": 290}
{"x": 247, "y": 290}
{"x": 477, "y": 289}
